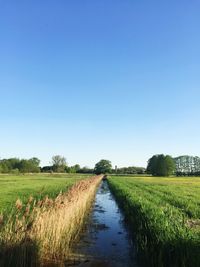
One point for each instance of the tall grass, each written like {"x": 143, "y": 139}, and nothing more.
{"x": 43, "y": 230}
{"x": 164, "y": 217}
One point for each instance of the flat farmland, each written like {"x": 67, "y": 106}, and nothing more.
{"x": 164, "y": 214}
{"x": 13, "y": 187}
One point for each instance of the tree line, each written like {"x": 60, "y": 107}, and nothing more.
{"x": 59, "y": 165}
{"x": 165, "y": 165}
{"x": 32, "y": 165}
{"x": 158, "y": 165}
{"x": 15, "y": 165}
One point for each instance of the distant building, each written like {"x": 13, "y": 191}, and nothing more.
{"x": 187, "y": 164}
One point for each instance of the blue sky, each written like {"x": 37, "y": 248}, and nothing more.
{"x": 99, "y": 79}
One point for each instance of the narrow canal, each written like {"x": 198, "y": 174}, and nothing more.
{"x": 106, "y": 240}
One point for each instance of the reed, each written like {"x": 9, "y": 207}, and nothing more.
{"x": 44, "y": 230}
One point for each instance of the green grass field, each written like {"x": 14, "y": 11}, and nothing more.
{"x": 164, "y": 215}
{"x": 37, "y": 185}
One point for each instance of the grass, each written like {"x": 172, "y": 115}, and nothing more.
{"x": 42, "y": 230}
{"x": 164, "y": 215}
{"x": 13, "y": 187}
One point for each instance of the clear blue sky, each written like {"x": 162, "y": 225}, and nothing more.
{"x": 99, "y": 79}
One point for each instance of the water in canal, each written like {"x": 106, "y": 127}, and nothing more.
{"x": 106, "y": 240}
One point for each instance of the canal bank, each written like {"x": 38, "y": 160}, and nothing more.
{"x": 106, "y": 240}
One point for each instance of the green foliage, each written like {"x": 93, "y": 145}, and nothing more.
{"x": 76, "y": 167}
{"x": 161, "y": 165}
{"x": 47, "y": 169}
{"x": 59, "y": 163}
{"x": 164, "y": 216}
{"x": 15, "y": 165}
{"x": 86, "y": 170}
{"x": 103, "y": 166}
{"x": 68, "y": 169}
{"x": 73, "y": 169}
{"x": 4, "y": 166}
{"x": 130, "y": 170}
{"x": 31, "y": 165}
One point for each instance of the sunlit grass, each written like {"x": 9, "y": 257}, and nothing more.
{"x": 37, "y": 185}
{"x": 164, "y": 214}
{"x": 43, "y": 230}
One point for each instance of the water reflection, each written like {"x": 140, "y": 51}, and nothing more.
{"x": 106, "y": 241}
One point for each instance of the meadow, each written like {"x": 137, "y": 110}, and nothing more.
{"x": 41, "y": 217}
{"x": 13, "y": 187}
{"x": 164, "y": 217}
{"x": 40, "y": 227}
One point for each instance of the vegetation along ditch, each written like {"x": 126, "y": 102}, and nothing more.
{"x": 106, "y": 240}
{"x": 41, "y": 232}
{"x": 120, "y": 221}
{"x": 163, "y": 214}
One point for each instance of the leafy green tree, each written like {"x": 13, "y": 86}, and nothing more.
{"x": 35, "y": 161}
{"x": 48, "y": 169}
{"x": 59, "y": 163}
{"x": 161, "y": 165}
{"x": 130, "y": 170}
{"x": 152, "y": 165}
{"x": 103, "y": 166}
{"x": 170, "y": 165}
{"x": 15, "y": 165}
{"x": 77, "y": 167}
{"x": 4, "y": 166}
{"x": 73, "y": 169}
{"x": 7, "y": 165}
{"x": 30, "y": 165}
{"x": 86, "y": 169}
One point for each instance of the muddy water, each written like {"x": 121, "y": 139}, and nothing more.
{"x": 106, "y": 240}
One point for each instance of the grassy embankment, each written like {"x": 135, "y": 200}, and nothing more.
{"x": 42, "y": 229}
{"x": 164, "y": 215}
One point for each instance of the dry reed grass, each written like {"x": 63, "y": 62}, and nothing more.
{"x": 44, "y": 230}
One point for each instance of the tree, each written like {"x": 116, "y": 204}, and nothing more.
{"x": 170, "y": 165}
{"x": 15, "y": 165}
{"x": 29, "y": 165}
{"x": 59, "y": 163}
{"x": 4, "y": 166}
{"x": 77, "y": 167}
{"x": 152, "y": 165}
{"x": 103, "y": 166}
{"x": 130, "y": 170}
{"x": 25, "y": 166}
{"x": 48, "y": 169}
{"x": 187, "y": 165}
{"x": 35, "y": 161}
{"x": 161, "y": 165}
{"x": 86, "y": 169}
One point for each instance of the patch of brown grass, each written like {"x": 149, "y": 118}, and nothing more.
{"x": 193, "y": 223}
{"x": 52, "y": 225}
